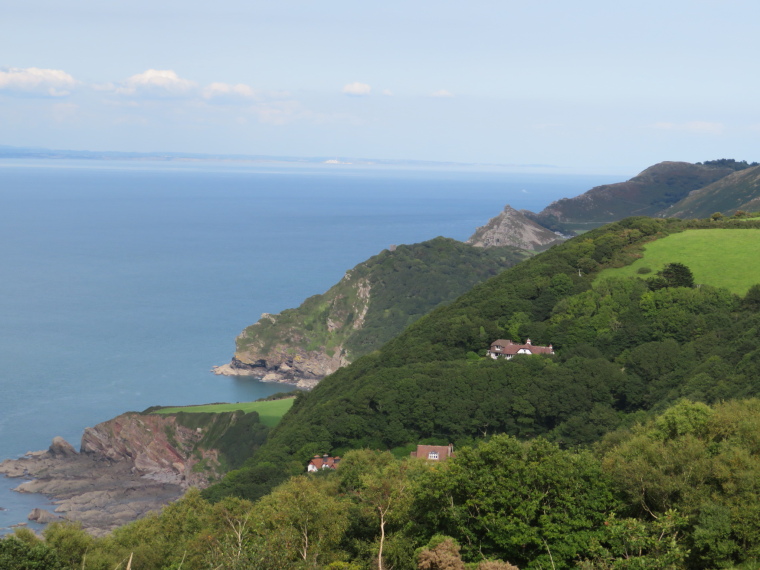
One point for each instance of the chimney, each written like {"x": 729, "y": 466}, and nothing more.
{"x": 527, "y": 341}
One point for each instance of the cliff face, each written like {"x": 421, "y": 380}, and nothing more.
{"x": 373, "y": 303}
{"x": 511, "y": 227}
{"x": 127, "y": 466}
{"x": 157, "y": 447}
{"x": 302, "y": 346}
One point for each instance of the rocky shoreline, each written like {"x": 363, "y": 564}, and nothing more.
{"x": 126, "y": 467}
{"x": 283, "y": 373}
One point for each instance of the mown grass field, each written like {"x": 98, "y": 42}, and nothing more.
{"x": 270, "y": 412}
{"x": 723, "y": 258}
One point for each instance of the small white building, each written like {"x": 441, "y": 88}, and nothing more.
{"x": 508, "y": 349}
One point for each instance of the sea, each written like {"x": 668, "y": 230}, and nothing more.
{"x": 124, "y": 282}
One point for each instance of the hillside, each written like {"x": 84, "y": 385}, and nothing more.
{"x": 647, "y": 194}
{"x": 513, "y": 228}
{"x": 374, "y": 302}
{"x": 622, "y": 349}
{"x": 737, "y": 191}
{"x": 662, "y": 380}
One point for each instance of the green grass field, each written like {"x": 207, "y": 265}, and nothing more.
{"x": 722, "y": 258}
{"x": 270, "y": 412}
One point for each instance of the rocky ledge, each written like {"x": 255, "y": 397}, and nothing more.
{"x": 126, "y": 467}
{"x": 303, "y": 370}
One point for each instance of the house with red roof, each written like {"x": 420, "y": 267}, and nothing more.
{"x": 322, "y": 462}
{"x": 508, "y": 349}
{"x": 434, "y": 452}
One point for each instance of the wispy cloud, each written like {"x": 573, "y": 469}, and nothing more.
{"x": 36, "y": 81}
{"x": 697, "y": 127}
{"x": 156, "y": 83}
{"x": 442, "y": 93}
{"x": 226, "y": 91}
{"x": 357, "y": 89}
{"x": 387, "y": 92}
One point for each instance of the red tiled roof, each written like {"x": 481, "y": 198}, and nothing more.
{"x": 324, "y": 461}
{"x": 440, "y": 451}
{"x": 508, "y": 347}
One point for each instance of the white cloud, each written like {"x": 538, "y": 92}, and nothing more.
{"x": 442, "y": 93}
{"x": 157, "y": 82}
{"x": 697, "y": 127}
{"x": 36, "y": 81}
{"x": 226, "y": 91}
{"x": 357, "y": 89}
{"x": 388, "y": 92}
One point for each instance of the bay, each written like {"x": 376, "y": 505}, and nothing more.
{"x": 124, "y": 282}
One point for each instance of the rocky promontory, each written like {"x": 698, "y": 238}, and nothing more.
{"x": 126, "y": 467}
{"x": 513, "y": 228}
{"x": 370, "y": 305}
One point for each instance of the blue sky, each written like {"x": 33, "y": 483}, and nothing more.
{"x": 586, "y": 86}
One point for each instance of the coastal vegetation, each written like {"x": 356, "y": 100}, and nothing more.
{"x": 677, "y": 490}
{"x": 635, "y": 446}
{"x": 373, "y": 303}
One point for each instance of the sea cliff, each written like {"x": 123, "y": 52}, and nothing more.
{"x": 127, "y": 466}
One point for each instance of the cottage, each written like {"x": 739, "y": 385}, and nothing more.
{"x": 322, "y": 462}
{"x": 434, "y": 452}
{"x": 507, "y": 349}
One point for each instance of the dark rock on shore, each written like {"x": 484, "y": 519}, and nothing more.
{"x": 127, "y": 467}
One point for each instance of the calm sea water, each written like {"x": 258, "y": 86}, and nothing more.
{"x": 123, "y": 283}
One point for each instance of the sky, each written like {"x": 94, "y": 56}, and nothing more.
{"x": 588, "y": 86}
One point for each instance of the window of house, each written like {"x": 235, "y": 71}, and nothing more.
{"x": 433, "y": 455}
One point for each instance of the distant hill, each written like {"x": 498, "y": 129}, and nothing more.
{"x": 512, "y": 228}
{"x": 738, "y": 191}
{"x": 647, "y": 194}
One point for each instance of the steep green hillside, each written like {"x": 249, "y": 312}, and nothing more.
{"x": 622, "y": 349}
{"x": 374, "y": 302}
{"x": 738, "y": 191}
{"x": 727, "y": 258}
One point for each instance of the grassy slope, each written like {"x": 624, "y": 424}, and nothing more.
{"x": 270, "y": 412}
{"x": 712, "y": 255}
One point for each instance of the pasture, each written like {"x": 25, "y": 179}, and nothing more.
{"x": 270, "y": 411}
{"x": 728, "y": 258}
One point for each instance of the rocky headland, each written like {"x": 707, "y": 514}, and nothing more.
{"x": 125, "y": 468}
{"x": 370, "y": 305}
{"x": 513, "y": 228}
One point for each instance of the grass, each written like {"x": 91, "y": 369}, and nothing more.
{"x": 270, "y": 411}
{"x": 722, "y": 258}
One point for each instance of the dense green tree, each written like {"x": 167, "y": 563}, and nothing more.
{"x": 704, "y": 462}
{"x": 23, "y": 551}
{"x": 301, "y": 521}
{"x": 677, "y": 275}
{"x": 527, "y": 502}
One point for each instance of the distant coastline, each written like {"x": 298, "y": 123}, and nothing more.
{"x": 53, "y": 154}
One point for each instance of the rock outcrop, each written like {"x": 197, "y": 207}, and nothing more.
{"x": 127, "y": 467}
{"x": 511, "y": 227}
{"x": 42, "y": 516}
